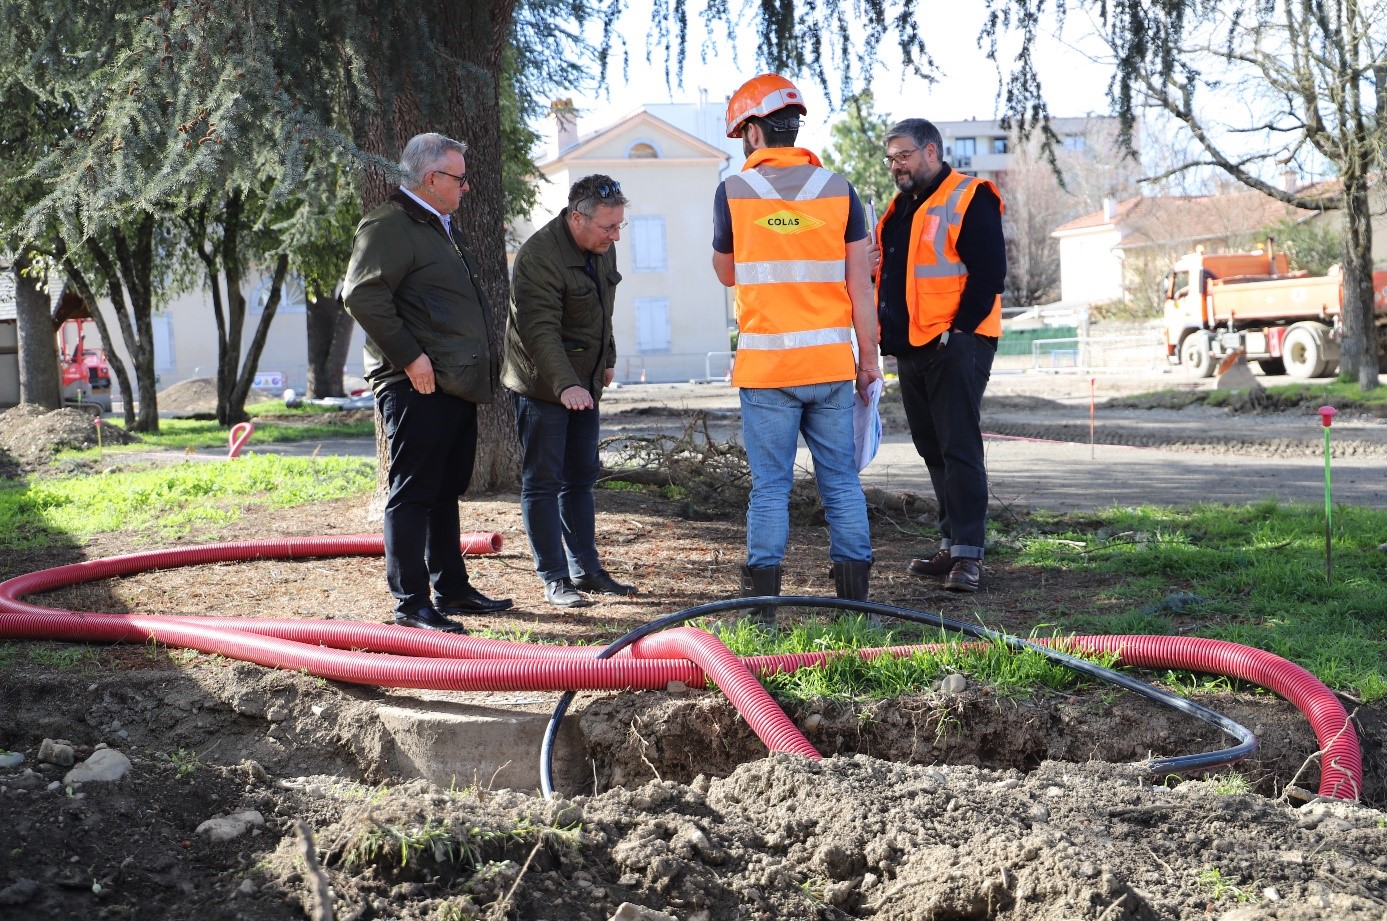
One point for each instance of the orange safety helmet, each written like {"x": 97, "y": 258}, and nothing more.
{"x": 761, "y": 96}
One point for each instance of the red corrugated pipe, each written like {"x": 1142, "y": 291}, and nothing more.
{"x": 403, "y": 657}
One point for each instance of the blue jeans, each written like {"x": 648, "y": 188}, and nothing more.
{"x": 560, "y": 466}
{"x": 772, "y": 421}
{"x": 941, "y": 389}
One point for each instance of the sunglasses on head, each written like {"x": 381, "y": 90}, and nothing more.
{"x": 609, "y": 189}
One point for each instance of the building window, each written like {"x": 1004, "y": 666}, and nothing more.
{"x": 642, "y": 150}
{"x": 652, "y": 324}
{"x": 648, "y": 243}
{"x": 1075, "y": 142}
{"x": 999, "y": 145}
{"x": 965, "y": 147}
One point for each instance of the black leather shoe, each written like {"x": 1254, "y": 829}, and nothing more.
{"x": 471, "y": 601}
{"x": 428, "y": 619}
{"x": 562, "y": 593}
{"x": 964, "y": 576}
{"x": 937, "y": 565}
{"x": 602, "y": 583}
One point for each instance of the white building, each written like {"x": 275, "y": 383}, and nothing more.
{"x": 982, "y": 147}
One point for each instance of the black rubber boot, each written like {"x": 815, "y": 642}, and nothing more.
{"x": 758, "y": 581}
{"x": 850, "y": 581}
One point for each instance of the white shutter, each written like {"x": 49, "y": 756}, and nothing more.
{"x": 652, "y": 324}
{"x": 648, "y": 243}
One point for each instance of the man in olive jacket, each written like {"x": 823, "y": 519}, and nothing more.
{"x": 413, "y": 288}
{"x": 560, "y": 353}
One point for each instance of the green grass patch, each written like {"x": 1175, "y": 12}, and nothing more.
{"x": 171, "y": 500}
{"x": 851, "y": 677}
{"x": 1250, "y": 574}
{"x": 1337, "y": 393}
{"x": 674, "y": 493}
{"x": 202, "y": 433}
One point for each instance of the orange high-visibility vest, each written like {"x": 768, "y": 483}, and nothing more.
{"x": 934, "y": 274}
{"x": 794, "y": 316}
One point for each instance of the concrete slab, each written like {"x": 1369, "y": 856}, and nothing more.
{"x": 457, "y": 743}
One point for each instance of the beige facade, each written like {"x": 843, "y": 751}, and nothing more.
{"x": 671, "y": 314}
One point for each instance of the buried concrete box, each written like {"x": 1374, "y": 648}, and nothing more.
{"x": 456, "y": 744}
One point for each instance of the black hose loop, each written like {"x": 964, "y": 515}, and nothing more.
{"x": 1246, "y": 744}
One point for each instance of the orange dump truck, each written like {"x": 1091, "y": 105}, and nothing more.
{"x": 1288, "y": 322}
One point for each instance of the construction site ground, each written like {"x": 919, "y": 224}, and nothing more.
{"x": 949, "y": 803}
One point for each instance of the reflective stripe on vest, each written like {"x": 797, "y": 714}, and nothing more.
{"x": 789, "y": 271}
{"x": 769, "y": 342}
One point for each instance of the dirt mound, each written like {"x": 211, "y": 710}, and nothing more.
{"x": 31, "y": 434}
{"x": 199, "y": 395}
{"x": 789, "y": 838}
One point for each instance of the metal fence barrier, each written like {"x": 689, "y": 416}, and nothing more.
{"x": 1077, "y": 354}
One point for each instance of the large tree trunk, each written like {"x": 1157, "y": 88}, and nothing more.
{"x": 475, "y": 102}
{"x": 1358, "y": 360}
{"x": 40, "y": 382}
{"x": 329, "y": 338}
{"x": 474, "y": 35}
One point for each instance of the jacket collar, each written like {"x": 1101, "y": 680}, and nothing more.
{"x": 415, "y": 210}
{"x": 781, "y": 156}
{"x": 572, "y": 255}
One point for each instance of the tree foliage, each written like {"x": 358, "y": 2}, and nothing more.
{"x": 857, "y": 148}
{"x": 1257, "y": 87}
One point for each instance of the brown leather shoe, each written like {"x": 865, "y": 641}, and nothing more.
{"x": 937, "y": 565}
{"x": 964, "y": 576}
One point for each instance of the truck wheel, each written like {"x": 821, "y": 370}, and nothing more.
{"x": 1271, "y": 366}
{"x": 1194, "y": 354}
{"x": 1305, "y": 350}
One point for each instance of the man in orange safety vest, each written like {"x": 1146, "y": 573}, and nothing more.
{"x": 791, "y": 237}
{"x": 939, "y": 286}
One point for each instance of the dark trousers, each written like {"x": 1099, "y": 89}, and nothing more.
{"x": 433, "y": 445}
{"x": 559, "y": 448}
{"x": 942, "y": 392}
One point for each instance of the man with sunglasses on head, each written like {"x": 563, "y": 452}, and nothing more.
{"x": 939, "y": 295}
{"x": 560, "y": 353}
{"x": 413, "y": 287}
{"x": 792, "y": 238}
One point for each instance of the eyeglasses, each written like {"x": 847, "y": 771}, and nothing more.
{"x": 462, "y": 180}
{"x": 608, "y": 229}
{"x": 899, "y": 158}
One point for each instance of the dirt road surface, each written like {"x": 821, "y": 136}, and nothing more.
{"x": 1041, "y": 452}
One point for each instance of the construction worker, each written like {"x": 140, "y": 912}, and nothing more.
{"x": 791, "y": 237}
{"x": 939, "y": 286}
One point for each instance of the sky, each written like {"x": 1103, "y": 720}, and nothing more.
{"x": 967, "y": 86}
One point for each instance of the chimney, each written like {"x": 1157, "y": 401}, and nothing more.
{"x": 1290, "y": 180}
{"x": 1109, "y": 209}
{"x": 566, "y": 123}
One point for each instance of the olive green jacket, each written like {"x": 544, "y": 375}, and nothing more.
{"x": 560, "y": 330}
{"x": 415, "y": 292}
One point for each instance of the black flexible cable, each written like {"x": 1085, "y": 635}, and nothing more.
{"x": 1247, "y": 742}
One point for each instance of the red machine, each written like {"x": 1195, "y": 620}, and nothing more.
{"x": 86, "y": 373}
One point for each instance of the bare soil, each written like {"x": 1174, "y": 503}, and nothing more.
{"x": 957, "y": 804}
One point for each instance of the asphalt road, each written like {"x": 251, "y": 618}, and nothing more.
{"x": 1036, "y": 473}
